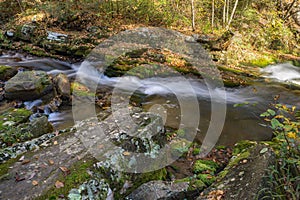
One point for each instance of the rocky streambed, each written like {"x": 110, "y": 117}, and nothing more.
{"x": 132, "y": 121}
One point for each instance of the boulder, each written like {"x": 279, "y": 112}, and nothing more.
{"x": 245, "y": 177}
{"x": 6, "y": 72}
{"x": 62, "y": 85}
{"x": 155, "y": 190}
{"x": 29, "y": 85}
{"x": 40, "y": 126}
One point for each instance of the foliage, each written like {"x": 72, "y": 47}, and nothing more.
{"x": 285, "y": 175}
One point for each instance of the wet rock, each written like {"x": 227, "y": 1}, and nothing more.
{"x": 6, "y": 72}
{"x": 244, "y": 180}
{"x": 155, "y": 190}
{"x": 29, "y": 85}
{"x": 63, "y": 86}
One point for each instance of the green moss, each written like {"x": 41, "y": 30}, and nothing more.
{"x": 17, "y": 116}
{"x": 78, "y": 175}
{"x": 80, "y": 90}
{"x": 196, "y": 184}
{"x": 4, "y": 68}
{"x": 236, "y": 159}
{"x": 196, "y": 151}
{"x": 205, "y": 165}
{"x": 243, "y": 146}
{"x": 5, "y": 167}
{"x": 206, "y": 178}
{"x": 262, "y": 61}
{"x": 179, "y": 147}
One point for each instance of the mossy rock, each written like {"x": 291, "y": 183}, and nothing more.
{"x": 205, "y": 165}
{"x": 29, "y": 85}
{"x": 6, "y": 72}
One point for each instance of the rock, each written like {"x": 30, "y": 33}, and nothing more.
{"x": 29, "y": 85}
{"x": 6, "y": 72}
{"x": 40, "y": 126}
{"x": 53, "y": 36}
{"x": 155, "y": 190}
{"x": 26, "y": 32}
{"x": 62, "y": 85}
{"x": 244, "y": 180}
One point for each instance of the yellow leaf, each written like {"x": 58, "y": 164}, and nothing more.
{"x": 291, "y": 135}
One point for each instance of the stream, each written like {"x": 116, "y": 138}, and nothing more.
{"x": 166, "y": 96}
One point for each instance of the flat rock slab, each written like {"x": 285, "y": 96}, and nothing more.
{"x": 43, "y": 167}
{"x": 246, "y": 180}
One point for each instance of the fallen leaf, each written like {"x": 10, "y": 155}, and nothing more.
{"x": 126, "y": 153}
{"x": 55, "y": 142}
{"x": 22, "y": 158}
{"x": 18, "y": 178}
{"x": 26, "y": 161}
{"x": 32, "y": 175}
{"x": 35, "y": 183}
{"x": 51, "y": 162}
{"x": 65, "y": 170}
{"x": 59, "y": 184}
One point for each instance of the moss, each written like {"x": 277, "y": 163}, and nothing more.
{"x": 196, "y": 151}
{"x": 205, "y": 165}
{"x": 262, "y": 61}
{"x": 243, "y": 146}
{"x": 206, "y": 178}
{"x": 4, "y": 68}
{"x": 5, "y": 167}
{"x": 179, "y": 147}
{"x": 78, "y": 175}
{"x": 236, "y": 159}
{"x": 196, "y": 185}
{"x": 17, "y": 116}
{"x": 79, "y": 89}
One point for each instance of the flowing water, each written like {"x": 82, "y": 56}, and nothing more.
{"x": 167, "y": 97}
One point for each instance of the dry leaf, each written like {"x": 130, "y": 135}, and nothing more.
{"x": 59, "y": 184}
{"x": 65, "y": 170}
{"x": 26, "y": 161}
{"x": 51, "y": 162}
{"x": 35, "y": 183}
{"x": 55, "y": 142}
{"x": 126, "y": 153}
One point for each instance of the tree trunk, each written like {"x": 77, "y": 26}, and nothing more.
{"x": 232, "y": 14}
{"x": 193, "y": 15}
{"x": 224, "y": 13}
{"x": 212, "y": 14}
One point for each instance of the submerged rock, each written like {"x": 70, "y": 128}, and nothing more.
{"x": 28, "y": 85}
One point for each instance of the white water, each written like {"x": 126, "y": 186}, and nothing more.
{"x": 284, "y": 72}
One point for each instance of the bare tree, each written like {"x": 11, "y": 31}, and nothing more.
{"x": 232, "y": 13}
{"x": 193, "y": 15}
{"x": 212, "y": 13}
